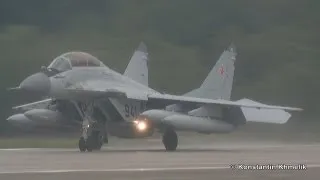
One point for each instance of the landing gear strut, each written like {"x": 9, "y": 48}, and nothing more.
{"x": 170, "y": 140}
{"x": 92, "y": 134}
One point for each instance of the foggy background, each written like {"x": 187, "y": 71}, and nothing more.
{"x": 277, "y": 41}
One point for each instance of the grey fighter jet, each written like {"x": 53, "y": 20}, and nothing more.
{"x": 92, "y": 87}
{"x": 59, "y": 113}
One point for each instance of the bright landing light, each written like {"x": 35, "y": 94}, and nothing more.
{"x": 141, "y": 125}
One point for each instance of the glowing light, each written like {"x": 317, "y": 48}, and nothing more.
{"x": 140, "y": 125}
{"x": 136, "y": 122}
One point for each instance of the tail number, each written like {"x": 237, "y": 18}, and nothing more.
{"x": 130, "y": 110}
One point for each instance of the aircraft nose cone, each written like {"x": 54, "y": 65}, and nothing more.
{"x": 39, "y": 83}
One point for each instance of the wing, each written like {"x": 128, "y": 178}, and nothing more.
{"x": 34, "y": 105}
{"x": 102, "y": 89}
{"x": 172, "y": 99}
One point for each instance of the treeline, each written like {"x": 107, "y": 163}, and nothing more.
{"x": 278, "y": 42}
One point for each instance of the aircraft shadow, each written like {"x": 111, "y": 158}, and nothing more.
{"x": 191, "y": 150}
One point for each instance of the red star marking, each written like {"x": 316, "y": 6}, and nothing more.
{"x": 221, "y": 70}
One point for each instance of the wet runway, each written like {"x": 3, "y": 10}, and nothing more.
{"x": 148, "y": 160}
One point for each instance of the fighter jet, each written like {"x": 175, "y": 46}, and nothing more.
{"x": 91, "y": 87}
{"x": 51, "y": 112}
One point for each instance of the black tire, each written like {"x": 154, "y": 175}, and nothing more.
{"x": 90, "y": 144}
{"x": 99, "y": 146}
{"x": 99, "y": 142}
{"x": 94, "y": 141}
{"x": 82, "y": 145}
{"x": 105, "y": 138}
{"x": 170, "y": 140}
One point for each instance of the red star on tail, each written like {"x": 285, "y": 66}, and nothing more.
{"x": 221, "y": 70}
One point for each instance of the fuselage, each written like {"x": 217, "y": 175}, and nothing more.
{"x": 98, "y": 77}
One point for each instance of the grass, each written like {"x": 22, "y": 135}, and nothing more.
{"x": 20, "y": 142}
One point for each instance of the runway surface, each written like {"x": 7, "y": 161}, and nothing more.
{"x": 148, "y": 160}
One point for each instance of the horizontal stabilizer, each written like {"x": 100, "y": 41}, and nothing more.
{"x": 276, "y": 116}
{"x": 172, "y": 99}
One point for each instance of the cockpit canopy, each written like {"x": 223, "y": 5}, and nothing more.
{"x": 69, "y": 60}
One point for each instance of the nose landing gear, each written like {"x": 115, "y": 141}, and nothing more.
{"x": 91, "y": 139}
{"x": 92, "y": 133}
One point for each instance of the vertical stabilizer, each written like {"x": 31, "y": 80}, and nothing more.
{"x": 137, "y": 68}
{"x": 218, "y": 83}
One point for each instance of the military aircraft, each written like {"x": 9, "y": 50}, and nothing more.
{"x": 54, "y": 112}
{"x": 51, "y": 112}
{"x": 90, "y": 86}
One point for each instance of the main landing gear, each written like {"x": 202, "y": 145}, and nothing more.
{"x": 170, "y": 140}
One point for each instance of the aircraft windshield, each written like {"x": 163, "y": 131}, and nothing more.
{"x": 69, "y": 60}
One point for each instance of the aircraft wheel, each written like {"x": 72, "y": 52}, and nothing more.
{"x": 99, "y": 142}
{"x": 105, "y": 138}
{"x": 82, "y": 144}
{"x": 90, "y": 143}
{"x": 170, "y": 140}
{"x": 94, "y": 141}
